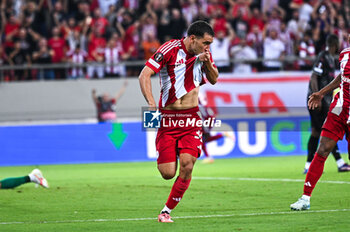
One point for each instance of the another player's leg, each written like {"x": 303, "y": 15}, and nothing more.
{"x": 213, "y": 138}
{"x": 13, "y": 182}
{"x": 342, "y": 166}
{"x": 311, "y": 149}
{"x": 205, "y": 137}
{"x": 207, "y": 159}
{"x": 37, "y": 177}
{"x": 314, "y": 173}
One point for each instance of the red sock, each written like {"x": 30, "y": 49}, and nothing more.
{"x": 204, "y": 148}
{"x": 314, "y": 173}
{"x": 215, "y": 137}
{"x": 177, "y": 191}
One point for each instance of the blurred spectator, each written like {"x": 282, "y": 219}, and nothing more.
{"x": 243, "y": 51}
{"x": 44, "y": 56}
{"x": 294, "y": 27}
{"x": 126, "y": 18}
{"x": 77, "y": 21}
{"x": 19, "y": 56}
{"x": 214, "y": 6}
{"x": 76, "y": 56}
{"x": 305, "y": 11}
{"x": 240, "y": 7}
{"x": 220, "y": 49}
{"x": 268, "y": 5}
{"x": 149, "y": 24}
{"x": 3, "y": 56}
{"x": 163, "y": 26}
{"x": 189, "y": 10}
{"x": 98, "y": 22}
{"x": 284, "y": 36}
{"x": 111, "y": 15}
{"x": 150, "y": 46}
{"x": 105, "y": 5}
{"x": 28, "y": 39}
{"x": 342, "y": 32}
{"x": 58, "y": 45}
{"x": 240, "y": 25}
{"x": 130, "y": 47}
{"x": 83, "y": 13}
{"x": 4, "y": 61}
{"x": 323, "y": 19}
{"x": 58, "y": 15}
{"x": 75, "y": 37}
{"x": 177, "y": 24}
{"x": 256, "y": 40}
{"x": 218, "y": 21}
{"x": 11, "y": 29}
{"x": 106, "y": 105}
{"x": 306, "y": 50}
{"x": 113, "y": 54}
{"x": 275, "y": 18}
{"x": 34, "y": 18}
{"x": 273, "y": 49}
{"x": 96, "y": 50}
{"x": 256, "y": 19}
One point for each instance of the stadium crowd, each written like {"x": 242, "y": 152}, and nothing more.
{"x": 111, "y": 31}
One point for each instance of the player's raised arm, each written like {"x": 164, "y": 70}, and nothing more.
{"x": 146, "y": 86}
{"x": 94, "y": 97}
{"x": 121, "y": 91}
{"x": 316, "y": 98}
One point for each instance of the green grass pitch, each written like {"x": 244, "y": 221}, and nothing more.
{"x": 251, "y": 194}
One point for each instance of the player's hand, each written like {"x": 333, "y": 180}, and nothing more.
{"x": 152, "y": 106}
{"x": 93, "y": 91}
{"x": 205, "y": 56}
{"x": 315, "y": 101}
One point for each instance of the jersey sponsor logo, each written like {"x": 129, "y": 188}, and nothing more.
{"x": 179, "y": 62}
{"x": 158, "y": 57}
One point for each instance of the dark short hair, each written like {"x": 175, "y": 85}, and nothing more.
{"x": 332, "y": 40}
{"x": 199, "y": 28}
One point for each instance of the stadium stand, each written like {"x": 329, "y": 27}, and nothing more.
{"x": 40, "y": 37}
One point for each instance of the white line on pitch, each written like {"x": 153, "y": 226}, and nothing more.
{"x": 269, "y": 180}
{"x": 180, "y": 217}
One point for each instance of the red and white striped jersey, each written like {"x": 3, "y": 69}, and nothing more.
{"x": 179, "y": 71}
{"x": 77, "y": 57}
{"x": 341, "y": 101}
{"x": 112, "y": 58}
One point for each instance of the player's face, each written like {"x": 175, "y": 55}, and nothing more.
{"x": 201, "y": 44}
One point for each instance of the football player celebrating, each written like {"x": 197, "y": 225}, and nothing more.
{"x": 180, "y": 64}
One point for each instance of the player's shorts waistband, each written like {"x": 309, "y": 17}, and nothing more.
{"x": 191, "y": 111}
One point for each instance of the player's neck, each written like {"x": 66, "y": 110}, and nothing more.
{"x": 187, "y": 45}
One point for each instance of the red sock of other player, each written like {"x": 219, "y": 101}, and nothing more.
{"x": 177, "y": 191}
{"x": 215, "y": 137}
{"x": 204, "y": 148}
{"x": 314, "y": 173}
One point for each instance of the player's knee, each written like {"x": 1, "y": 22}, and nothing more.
{"x": 324, "y": 149}
{"x": 168, "y": 175}
{"x": 315, "y": 133}
{"x": 186, "y": 167}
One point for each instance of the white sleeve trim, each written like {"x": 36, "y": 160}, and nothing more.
{"x": 152, "y": 62}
